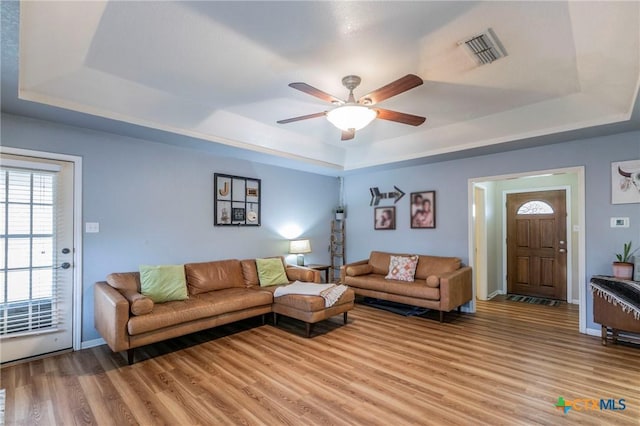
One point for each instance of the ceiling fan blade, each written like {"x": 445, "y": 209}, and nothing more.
{"x": 302, "y": 117}
{"x": 348, "y": 134}
{"x": 400, "y": 117}
{"x": 310, "y": 90}
{"x": 394, "y": 88}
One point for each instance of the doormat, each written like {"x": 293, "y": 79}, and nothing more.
{"x": 396, "y": 308}
{"x": 534, "y": 300}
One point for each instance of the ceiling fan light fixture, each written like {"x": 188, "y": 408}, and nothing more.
{"x": 351, "y": 117}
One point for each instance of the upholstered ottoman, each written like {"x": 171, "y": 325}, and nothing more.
{"x": 311, "y": 309}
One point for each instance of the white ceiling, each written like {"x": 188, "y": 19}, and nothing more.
{"x": 218, "y": 71}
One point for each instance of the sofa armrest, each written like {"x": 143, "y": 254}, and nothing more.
{"x": 111, "y": 315}
{"x": 343, "y": 268}
{"x": 300, "y": 273}
{"x": 455, "y": 288}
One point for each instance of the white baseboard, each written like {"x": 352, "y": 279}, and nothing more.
{"x": 594, "y": 332}
{"x": 92, "y": 343}
{"x": 494, "y": 294}
{"x": 575, "y": 301}
{"x": 597, "y": 332}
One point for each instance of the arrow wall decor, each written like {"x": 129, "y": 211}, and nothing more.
{"x": 376, "y": 195}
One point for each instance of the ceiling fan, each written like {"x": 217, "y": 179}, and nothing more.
{"x": 352, "y": 115}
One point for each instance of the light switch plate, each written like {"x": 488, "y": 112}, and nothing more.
{"x": 91, "y": 227}
{"x": 619, "y": 222}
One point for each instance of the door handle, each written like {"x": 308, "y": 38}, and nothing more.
{"x": 562, "y": 250}
{"x": 65, "y": 265}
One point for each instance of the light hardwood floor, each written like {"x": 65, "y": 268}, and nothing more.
{"x": 506, "y": 364}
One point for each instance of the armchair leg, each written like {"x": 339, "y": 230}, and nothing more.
{"x": 264, "y": 319}
{"x": 441, "y": 316}
{"x": 275, "y": 319}
{"x": 309, "y": 327}
{"x": 344, "y": 317}
{"x": 130, "y": 356}
{"x": 603, "y": 333}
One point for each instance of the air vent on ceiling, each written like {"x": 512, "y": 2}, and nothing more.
{"x": 485, "y": 47}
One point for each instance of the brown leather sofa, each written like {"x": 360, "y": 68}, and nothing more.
{"x": 220, "y": 292}
{"x": 441, "y": 283}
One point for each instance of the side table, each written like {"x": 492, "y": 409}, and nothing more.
{"x": 616, "y": 305}
{"x": 321, "y": 268}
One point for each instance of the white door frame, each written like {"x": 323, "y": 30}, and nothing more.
{"x": 569, "y": 247}
{"x": 480, "y": 223}
{"x": 581, "y": 208}
{"x": 77, "y": 231}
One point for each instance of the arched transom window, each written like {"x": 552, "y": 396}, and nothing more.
{"x": 535, "y": 207}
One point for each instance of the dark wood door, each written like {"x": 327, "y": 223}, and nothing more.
{"x": 537, "y": 244}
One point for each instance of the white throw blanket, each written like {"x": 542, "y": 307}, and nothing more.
{"x": 329, "y": 292}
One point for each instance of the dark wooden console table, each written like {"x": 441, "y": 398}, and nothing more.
{"x": 616, "y": 305}
{"x": 321, "y": 268}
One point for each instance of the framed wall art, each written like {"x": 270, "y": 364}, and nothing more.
{"x": 423, "y": 209}
{"x": 384, "y": 218}
{"x": 236, "y": 200}
{"x": 625, "y": 182}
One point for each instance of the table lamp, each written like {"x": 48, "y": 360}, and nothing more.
{"x": 300, "y": 247}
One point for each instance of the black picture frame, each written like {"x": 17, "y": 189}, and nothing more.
{"x": 237, "y": 200}
{"x": 384, "y": 218}
{"x": 420, "y": 218}
{"x": 237, "y": 214}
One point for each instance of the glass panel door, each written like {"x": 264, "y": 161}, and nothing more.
{"x": 35, "y": 243}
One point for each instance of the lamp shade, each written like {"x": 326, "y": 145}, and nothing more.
{"x": 351, "y": 116}
{"x": 299, "y": 246}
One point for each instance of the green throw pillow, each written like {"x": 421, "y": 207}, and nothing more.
{"x": 271, "y": 272}
{"x": 163, "y": 283}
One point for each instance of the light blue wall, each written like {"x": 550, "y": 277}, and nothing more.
{"x": 450, "y": 181}
{"x": 154, "y": 203}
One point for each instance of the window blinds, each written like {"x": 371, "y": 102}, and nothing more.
{"x": 29, "y": 279}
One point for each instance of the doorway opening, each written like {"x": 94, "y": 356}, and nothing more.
{"x": 488, "y": 233}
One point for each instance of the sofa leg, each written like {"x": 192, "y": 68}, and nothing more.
{"x": 309, "y": 327}
{"x": 344, "y": 317}
{"x": 275, "y": 319}
{"x": 460, "y": 309}
{"x": 441, "y": 316}
{"x": 130, "y": 356}
{"x": 264, "y": 319}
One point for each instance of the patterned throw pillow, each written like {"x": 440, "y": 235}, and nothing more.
{"x": 402, "y": 268}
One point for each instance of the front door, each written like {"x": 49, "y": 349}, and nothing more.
{"x": 537, "y": 244}
{"x": 36, "y": 255}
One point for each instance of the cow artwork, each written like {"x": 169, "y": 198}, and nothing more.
{"x": 629, "y": 178}
{"x": 625, "y": 182}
